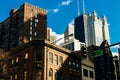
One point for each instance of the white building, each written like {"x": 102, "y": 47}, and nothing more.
{"x": 91, "y": 30}
{"x": 70, "y": 42}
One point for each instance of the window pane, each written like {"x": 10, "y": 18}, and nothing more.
{"x": 56, "y": 60}
{"x": 36, "y": 20}
{"x": 50, "y": 74}
{"x": 30, "y": 32}
{"x": 85, "y": 72}
{"x": 17, "y": 60}
{"x": 50, "y": 58}
{"x": 30, "y": 27}
{"x": 61, "y": 60}
{"x": 35, "y": 34}
{"x": 55, "y": 75}
{"x": 12, "y": 61}
{"x": 26, "y": 56}
{"x": 35, "y": 24}
{"x": 91, "y": 74}
{"x": 30, "y": 38}
{"x": 25, "y": 75}
{"x": 16, "y": 76}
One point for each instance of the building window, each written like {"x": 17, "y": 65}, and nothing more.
{"x": 50, "y": 58}
{"x": 30, "y": 27}
{"x": 30, "y": 38}
{"x": 25, "y": 75}
{"x": 11, "y": 77}
{"x": 55, "y": 75}
{"x": 31, "y": 32}
{"x": 50, "y": 74}
{"x": 77, "y": 66}
{"x": 26, "y": 56}
{"x": 35, "y": 34}
{"x": 55, "y": 59}
{"x": 16, "y": 76}
{"x": 85, "y": 72}
{"x": 36, "y": 20}
{"x": 36, "y": 16}
{"x": 12, "y": 61}
{"x": 91, "y": 74}
{"x": 35, "y": 24}
{"x": 17, "y": 59}
{"x": 31, "y": 23}
{"x": 61, "y": 60}
{"x": 72, "y": 45}
{"x": 70, "y": 63}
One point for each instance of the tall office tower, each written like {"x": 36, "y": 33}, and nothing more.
{"x": 70, "y": 42}
{"x": 23, "y": 25}
{"x": 69, "y": 30}
{"x": 91, "y": 30}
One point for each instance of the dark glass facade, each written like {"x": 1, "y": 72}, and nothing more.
{"x": 79, "y": 29}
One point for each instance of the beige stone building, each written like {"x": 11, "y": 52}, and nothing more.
{"x": 42, "y": 60}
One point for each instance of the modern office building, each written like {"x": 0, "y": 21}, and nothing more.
{"x": 41, "y": 60}
{"x": 91, "y": 30}
{"x": 26, "y": 23}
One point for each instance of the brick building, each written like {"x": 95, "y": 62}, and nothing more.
{"x": 41, "y": 60}
{"x": 26, "y": 23}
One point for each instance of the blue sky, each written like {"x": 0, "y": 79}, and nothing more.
{"x": 62, "y": 12}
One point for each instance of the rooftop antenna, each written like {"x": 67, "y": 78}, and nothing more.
{"x": 83, "y": 6}
{"x": 78, "y": 7}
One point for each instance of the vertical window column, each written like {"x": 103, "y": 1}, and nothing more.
{"x": 50, "y": 58}
{"x": 55, "y": 59}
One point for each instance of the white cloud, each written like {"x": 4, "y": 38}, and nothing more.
{"x": 55, "y": 10}
{"x": 115, "y": 53}
{"x": 116, "y": 46}
{"x": 72, "y": 22}
{"x": 65, "y": 3}
{"x": 57, "y": 36}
